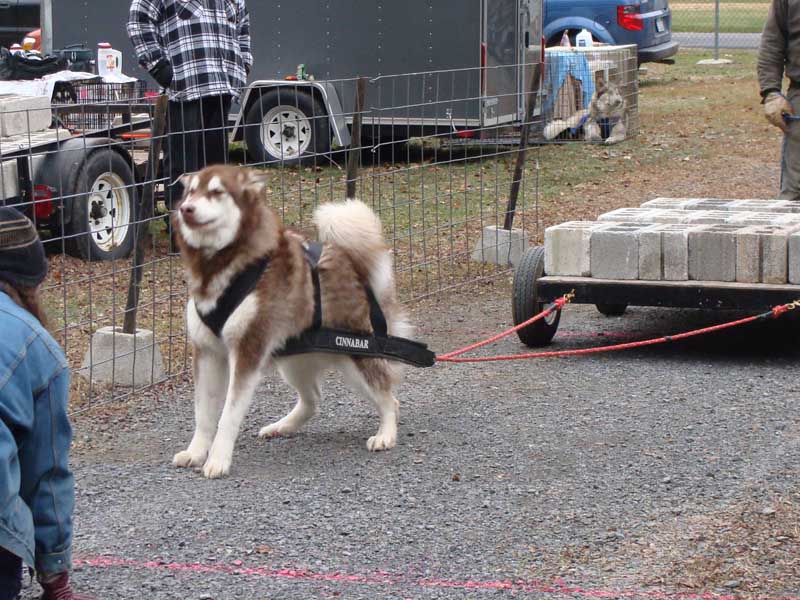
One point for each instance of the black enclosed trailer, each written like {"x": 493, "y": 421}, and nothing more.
{"x": 435, "y": 66}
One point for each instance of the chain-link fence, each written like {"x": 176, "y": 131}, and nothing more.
{"x": 442, "y": 157}
{"x": 719, "y": 23}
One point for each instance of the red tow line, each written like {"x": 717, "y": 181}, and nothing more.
{"x": 452, "y": 357}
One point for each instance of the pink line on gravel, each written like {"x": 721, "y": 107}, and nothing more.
{"x": 388, "y": 579}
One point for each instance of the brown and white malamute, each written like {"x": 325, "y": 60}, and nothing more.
{"x": 224, "y": 232}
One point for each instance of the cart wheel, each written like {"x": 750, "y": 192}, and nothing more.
{"x": 102, "y": 206}
{"x": 612, "y": 310}
{"x": 525, "y": 305}
{"x": 287, "y": 126}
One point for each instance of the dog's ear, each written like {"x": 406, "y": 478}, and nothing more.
{"x": 600, "y": 83}
{"x": 186, "y": 181}
{"x": 253, "y": 181}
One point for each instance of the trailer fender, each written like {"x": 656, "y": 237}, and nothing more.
{"x": 59, "y": 169}
{"x": 599, "y": 32}
{"x": 322, "y": 89}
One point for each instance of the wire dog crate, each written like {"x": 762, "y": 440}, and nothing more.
{"x": 588, "y": 91}
{"x": 104, "y": 104}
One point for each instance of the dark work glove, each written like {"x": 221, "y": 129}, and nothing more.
{"x": 162, "y": 73}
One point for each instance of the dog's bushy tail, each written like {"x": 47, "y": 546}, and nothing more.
{"x": 354, "y": 227}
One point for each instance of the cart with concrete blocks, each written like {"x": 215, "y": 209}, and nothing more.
{"x": 72, "y": 167}
{"x": 670, "y": 252}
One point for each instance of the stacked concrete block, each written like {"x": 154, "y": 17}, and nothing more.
{"x": 712, "y": 253}
{"x": 708, "y": 204}
{"x": 762, "y": 254}
{"x": 707, "y": 217}
{"x": 794, "y": 258}
{"x": 614, "y": 251}
{"x": 647, "y": 216}
{"x": 763, "y": 218}
{"x": 670, "y": 216}
{"x": 629, "y": 215}
{"x": 773, "y": 206}
{"x": 567, "y": 248}
{"x": 664, "y": 252}
{"x": 21, "y": 115}
{"x": 9, "y": 184}
{"x": 667, "y": 203}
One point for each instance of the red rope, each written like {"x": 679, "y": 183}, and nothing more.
{"x": 556, "y": 306}
{"x": 450, "y": 357}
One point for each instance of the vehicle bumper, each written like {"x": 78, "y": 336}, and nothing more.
{"x": 657, "y": 53}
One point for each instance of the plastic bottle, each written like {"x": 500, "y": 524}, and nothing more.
{"x": 583, "y": 39}
{"x": 565, "y": 40}
{"x": 109, "y": 61}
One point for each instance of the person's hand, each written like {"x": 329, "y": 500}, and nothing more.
{"x": 162, "y": 73}
{"x": 775, "y": 107}
{"x": 57, "y": 587}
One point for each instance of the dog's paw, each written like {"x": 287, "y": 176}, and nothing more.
{"x": 381, "y": 441}
{"x": 216, "y": 467}
{"x": 276, "y": 430}
{"x": 186, "y": 459}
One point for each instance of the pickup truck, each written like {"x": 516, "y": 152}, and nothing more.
{"x": 646, "y": 23}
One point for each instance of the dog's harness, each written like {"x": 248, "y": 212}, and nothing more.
{"x": 378, "y": 344}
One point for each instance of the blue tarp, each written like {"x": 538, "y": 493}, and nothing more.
{"x": 561, "y": 63}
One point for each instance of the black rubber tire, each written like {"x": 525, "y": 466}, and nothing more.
{"x": 320, "y": 144}
{"x": 525, "y": 305}
{"x": 612, "y": 310}
{"x": 79, "y": 241}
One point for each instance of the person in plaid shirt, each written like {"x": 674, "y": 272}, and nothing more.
{"x": 199, "y": 50}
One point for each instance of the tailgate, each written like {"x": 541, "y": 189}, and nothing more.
{"x": 657, "y": 21}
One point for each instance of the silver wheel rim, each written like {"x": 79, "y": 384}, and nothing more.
{"x": 109, "y": 211}
{"x": 286, "y": 132}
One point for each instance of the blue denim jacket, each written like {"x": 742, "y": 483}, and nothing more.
{"x": 36, "y": 485}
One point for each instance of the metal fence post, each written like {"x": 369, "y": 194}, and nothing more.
{"x": 144, "y": 212}
{"x": 354, "y": 153}
{"x": 530, "y": 109}
{"x": 716, "y": 30}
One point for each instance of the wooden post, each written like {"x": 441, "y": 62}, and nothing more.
{"x": 530, "y": 108}
{"x": 145, "y": 213}
{"x": 354, "y": 154}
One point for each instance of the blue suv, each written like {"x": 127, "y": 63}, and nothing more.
{"x": 645, "y": 23}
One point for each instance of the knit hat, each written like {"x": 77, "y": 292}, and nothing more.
{"x": 22, "y": 259}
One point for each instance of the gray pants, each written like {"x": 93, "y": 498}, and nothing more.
{"x": 790, "y": 159}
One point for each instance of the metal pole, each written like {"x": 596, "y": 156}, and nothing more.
{"x": 46, "y": 24}
{"x": 354, "y": 153}
{"x": 524, "y": 133}
{"x": 144, "y": 213}
{"x": 716, "y": 30}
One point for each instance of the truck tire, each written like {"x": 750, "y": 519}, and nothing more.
{"x": 525, "y": 304}
{"x": 287, "y": 126}
{"x": 102, "y": 205}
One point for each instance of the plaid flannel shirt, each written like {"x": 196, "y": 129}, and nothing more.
{"x": 207, "y": 42}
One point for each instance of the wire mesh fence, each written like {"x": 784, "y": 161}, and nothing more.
{"x": 719, "y": 23}
{"x": 445, "y": 165}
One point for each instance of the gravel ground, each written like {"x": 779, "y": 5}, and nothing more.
{"x": 552, "y": 479}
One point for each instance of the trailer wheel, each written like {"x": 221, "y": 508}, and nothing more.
{"x": 102, "y": 207}
{"x": 287, "y": 126}
{"x": 525, "y": 304}
{"x": 612, "y": 310}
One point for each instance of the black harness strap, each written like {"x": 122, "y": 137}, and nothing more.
{"x": 233, "y": 296}
{"x": 378, "y": 344}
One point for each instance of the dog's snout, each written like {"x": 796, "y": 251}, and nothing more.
{"x": 187, "y": 209}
